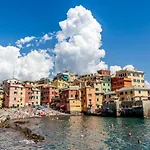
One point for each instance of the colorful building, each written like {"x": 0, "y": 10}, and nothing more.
{"x": 60, "y": 84}
{"x": 32, "y": 95}
{"x": 48, "y": 92}
{"x": 88, "y": 99}
{"x": 62, "y": 76}
{"x": 110, "y": 97}
{"x": 137, "y": 77}
{"x": 133, "y": 93}
{"x": 106, "y": 83}
{"x": 120, "y": 82}
{"x": 71, "y": 99}
{"x": 14, "y": 93}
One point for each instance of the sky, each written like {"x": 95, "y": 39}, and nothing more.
{"x": 35, "y": 36}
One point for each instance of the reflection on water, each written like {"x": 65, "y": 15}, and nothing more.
{"x": 83, "y": 133}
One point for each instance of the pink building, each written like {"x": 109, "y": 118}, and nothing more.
{"x": 47, "y": 93}
{"x": 14, "y": 93}
{"x": 32, "y": 95}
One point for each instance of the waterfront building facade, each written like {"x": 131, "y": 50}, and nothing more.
{"x": 137, "y": 77}
{"x": 14, "y": 93}
{"x": 133, "y": 93}
{"x": 88, "y": 99}
{"x": 32, "y": 95}
{"x": 71, "y": 99}
{"x": 48, "y": 92}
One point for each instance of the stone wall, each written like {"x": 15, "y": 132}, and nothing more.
{"x": 146, "y": 108}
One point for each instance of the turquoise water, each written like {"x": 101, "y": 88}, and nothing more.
{"x": 82, "y": 133}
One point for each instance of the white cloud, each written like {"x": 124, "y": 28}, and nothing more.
{"x": 23, "y": 41}
{"x": 33, "y": 66}
{"x": 115, "y": 68}
{"x": 147, "y": 84}
{"x": 45, "y": 38}
{"x": 79, "y": 41}
{"x": 128, "y": 67}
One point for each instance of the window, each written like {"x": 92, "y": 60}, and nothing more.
{"x": 120, "y": 83}
{"x": 20, "y": 99}
{"x": 97, "y": 89}
{"x": 139, "y": 92}
{"x": 15, "y": 88}
{"x": 14, "y": 98}
{"x": 97, "y": 99}
{"x": 71, "y": 95}
{"x": 21, "y": 88}
{"x": 21, "y": 93}
{"x": 134, "y": 80}
{"x": 131, "y": 92}
{"x": 37, "y": 92}
{"x": 37, "y": 103}
{"x": 142, "y": 81}
{"x": 129, "y": 74}
{"x": 103, "y": 84}
{"x": 125, "y": 92}
{"x": 121, "y": 93}
{"x": 89, "y": 94}
{"x": 15, "y": 92}
{"x": 138, "y": 81}
{"x": 36, "y": 97}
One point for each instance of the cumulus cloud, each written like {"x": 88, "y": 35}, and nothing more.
{"x": 147, "y": 84}
{"x": 31, "y": 66}
{"x": 45, "y": 38}
{"x": 115, "y": 68}
{"x": 79, "y": 41}
{"x": 23, "y": 41}
{"x": 128, "y": 67}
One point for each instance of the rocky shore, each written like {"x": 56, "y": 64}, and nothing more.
{"x": 19, "y": 120}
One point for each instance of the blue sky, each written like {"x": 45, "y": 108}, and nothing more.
{"x": 125, "y": 24}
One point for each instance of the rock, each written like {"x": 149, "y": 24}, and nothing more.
{"x": 21, "y": 121}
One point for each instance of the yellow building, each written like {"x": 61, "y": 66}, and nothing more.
{"x": 60, "y": 84}
{"x": 110, "y": 97}
{"x": 137, "y": 77}
{"x": 71, "y": 98}
{"x": 133, "y": 93}
{"x": 90, "y": 77}
{"x": 1, "y": 97}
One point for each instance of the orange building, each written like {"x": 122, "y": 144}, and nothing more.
{"x": 71, "y": 99}
{"x": 118, "y": 83}
{"x": 88, "y": 99}
{"x": 48, "y": 92}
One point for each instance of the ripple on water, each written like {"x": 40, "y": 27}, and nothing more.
{"x": 82, "y": 133}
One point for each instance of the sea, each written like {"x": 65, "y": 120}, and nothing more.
{"x": 81, "y": 133}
